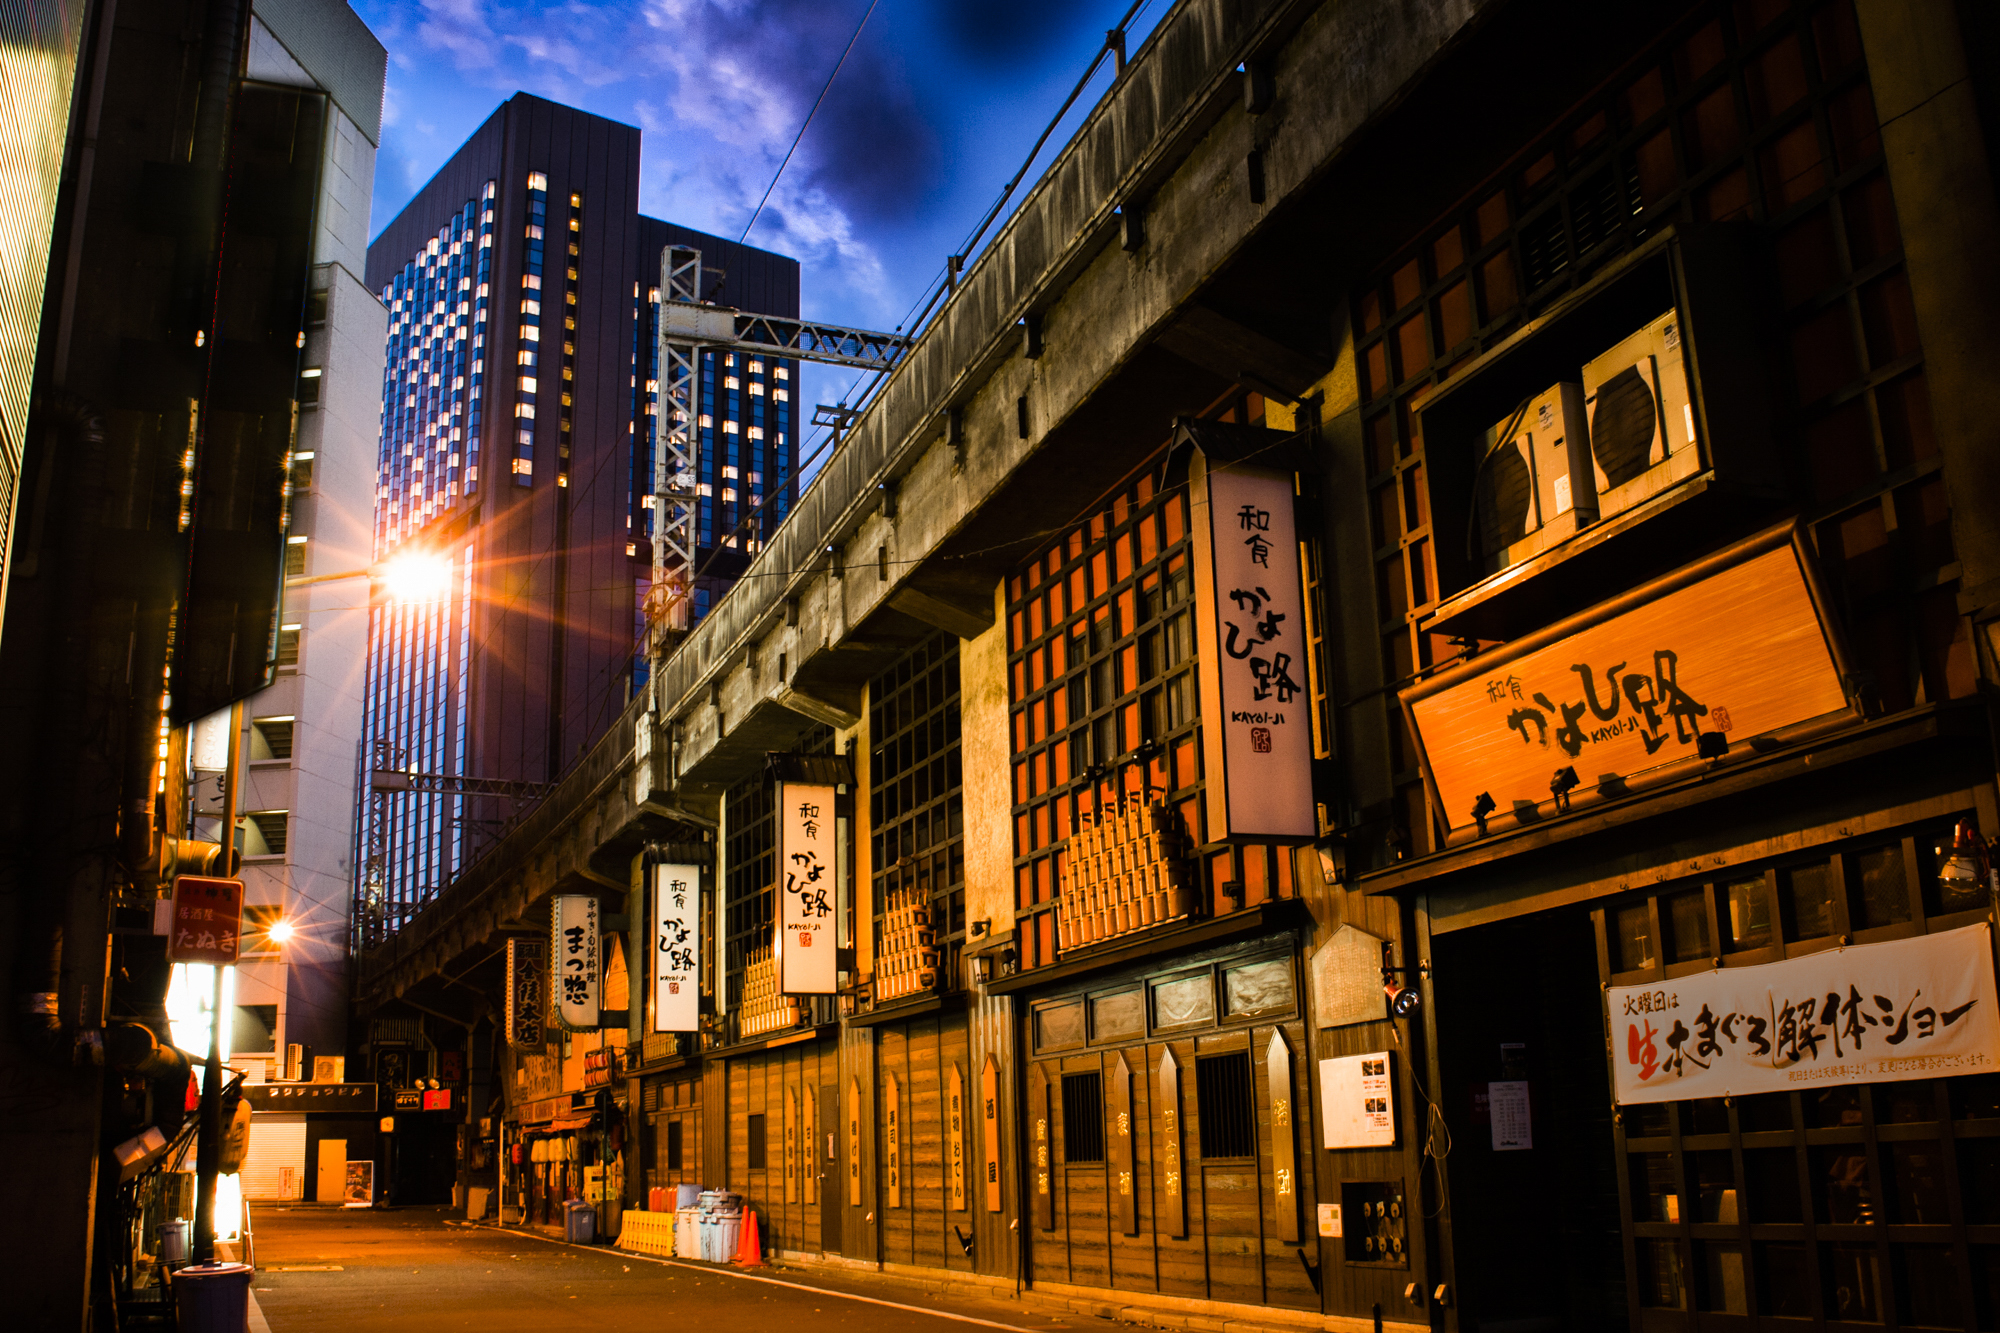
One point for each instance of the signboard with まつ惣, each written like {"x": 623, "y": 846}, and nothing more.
{"x": 574, "y": 959}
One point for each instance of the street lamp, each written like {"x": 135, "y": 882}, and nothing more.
{"x": 408, "y": 576}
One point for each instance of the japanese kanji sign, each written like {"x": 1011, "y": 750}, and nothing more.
{"x": 207, "y": 921}
{"x": 527, "y": 1000}
{"x": 1630, "y": 686}
{"x": 574, "y": 972}
{"x": 1256, "y": 706}
{"x": 676, "y": 948}
{"x": 1869, "y": 1013}
{"x": 806, "y": 899}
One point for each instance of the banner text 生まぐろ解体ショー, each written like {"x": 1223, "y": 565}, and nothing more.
{"x": 1869, "y": 1013}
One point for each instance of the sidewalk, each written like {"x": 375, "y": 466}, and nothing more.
{"x": 979, "y": 1299}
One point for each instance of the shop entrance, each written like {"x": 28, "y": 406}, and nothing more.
{"x": 425, "y": 1158}
{"x": 1526, "y": 1096}
{"x": 825, "y": 1159}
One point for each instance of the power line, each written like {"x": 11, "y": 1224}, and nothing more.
{"x": 808, "y": 121}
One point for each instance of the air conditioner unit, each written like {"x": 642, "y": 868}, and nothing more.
{"x": 1533, "y": 489}
{"x": 1642, "y": 438}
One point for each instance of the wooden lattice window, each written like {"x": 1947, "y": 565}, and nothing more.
{"x": 1102, "y": 680}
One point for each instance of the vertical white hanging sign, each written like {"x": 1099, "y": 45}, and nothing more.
{"x": 676, "y": 948}
{"x": 806, "y": 873}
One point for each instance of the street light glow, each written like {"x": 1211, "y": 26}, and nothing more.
{"x": 416, "y": 576}
{"x": 281, "y": 931}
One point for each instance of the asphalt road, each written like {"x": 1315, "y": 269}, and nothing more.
{"x": 332, "y": 1270}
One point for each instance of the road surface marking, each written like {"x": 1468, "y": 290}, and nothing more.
{"x": 780, "y": 1282}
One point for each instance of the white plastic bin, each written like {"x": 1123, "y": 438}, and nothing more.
{"x": 687, "y": 1233}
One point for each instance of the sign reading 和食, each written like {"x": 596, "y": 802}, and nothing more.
{"x": 1256, "y": 706}
{"x": 1869, "y": 1013}
{"x": 806, "y": 872}
{"x": 1734, "y": 646}
{"x": 676, "y": 948}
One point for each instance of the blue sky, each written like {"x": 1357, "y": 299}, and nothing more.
{"x": 930, "y": 116}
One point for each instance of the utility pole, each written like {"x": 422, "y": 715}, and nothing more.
{"x": 208, "y": 1146}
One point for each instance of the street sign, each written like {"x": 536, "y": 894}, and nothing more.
{"x": 310, "y": 1096}
{"x": 207, "y": 921}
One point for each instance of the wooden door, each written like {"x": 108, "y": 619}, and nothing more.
{"x": 826, "y": 1159}
{"x": 331, "y": 1184}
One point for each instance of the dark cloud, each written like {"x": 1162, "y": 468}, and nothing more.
{"x": 871, "y": 148}
{"x": 1009, "y": 32}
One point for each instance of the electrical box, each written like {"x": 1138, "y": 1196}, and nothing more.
{"x": 1642, "y": 435}
{"x": 1375, "y": 1223}
{"x": 1534, "y": 487}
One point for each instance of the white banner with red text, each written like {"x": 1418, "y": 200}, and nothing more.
{"x": 1869, "y": 1013}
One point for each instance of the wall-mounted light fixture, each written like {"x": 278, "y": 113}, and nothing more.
{"x": 1964, "y": 863}
{"x": 1712, "y": 745}
{"x": 1404, "y": 999}
{"x": 1562, "y": 784}
{"x": 1481, "y": 808}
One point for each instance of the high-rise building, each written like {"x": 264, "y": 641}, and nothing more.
{"x": 518, "y": 428}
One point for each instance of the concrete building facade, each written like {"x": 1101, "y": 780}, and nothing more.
{"x": 302, "y": 734}
{"x": 1394, "y": 596}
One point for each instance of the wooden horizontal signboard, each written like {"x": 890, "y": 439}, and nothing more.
{"x": 1735, "y": 646}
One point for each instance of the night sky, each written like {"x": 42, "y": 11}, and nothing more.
{"x": 930, "y": 116}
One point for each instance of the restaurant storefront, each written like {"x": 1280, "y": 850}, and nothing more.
{"x": 1727, "y": 1003}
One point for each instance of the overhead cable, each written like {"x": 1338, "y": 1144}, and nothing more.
{"x": 824, "y": 88}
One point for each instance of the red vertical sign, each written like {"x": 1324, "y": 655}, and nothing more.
{"x": 207, "y": 921}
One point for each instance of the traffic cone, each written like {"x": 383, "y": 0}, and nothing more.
{"x": 751, "y": 1252}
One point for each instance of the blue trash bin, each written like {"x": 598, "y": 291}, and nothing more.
{"x": 212, "y": 1298}
{"x": 579, "y": 1222}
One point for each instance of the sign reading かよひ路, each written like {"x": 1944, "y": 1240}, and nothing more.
{"x": 1256, "y": 704}
{"x": 1737, "y": 650}
{"x": 806, "y": 898}
{"x": 676, "y": 940}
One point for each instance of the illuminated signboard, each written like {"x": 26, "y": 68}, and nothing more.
{"x": 1732, "y": 648}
